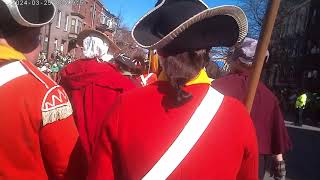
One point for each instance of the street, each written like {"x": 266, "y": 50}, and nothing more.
{"x": 303, "y": 161}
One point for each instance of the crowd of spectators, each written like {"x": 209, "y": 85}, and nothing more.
{"x": 54, "y": 64}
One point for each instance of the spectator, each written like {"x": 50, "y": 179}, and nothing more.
{"x": 267, "y": 117}
{"x": 300, "y": 106}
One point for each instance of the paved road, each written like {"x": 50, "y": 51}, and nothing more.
{"x": 303, "y": 162}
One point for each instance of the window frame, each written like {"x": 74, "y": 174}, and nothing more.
{"x": 66, "y": 24}
{"x": 58, "y": 23}
{"x": 73, "y": 27}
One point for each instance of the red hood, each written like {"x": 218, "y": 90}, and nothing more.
{"x": 86, "y": 72}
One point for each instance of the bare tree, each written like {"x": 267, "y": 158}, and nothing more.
{"x": 256, "y": 9}
{"x": 122, "y": 37}
{"x": 220, "y": 53}
{"x": 120, "y": 19}
{"x": 124, "y": 40}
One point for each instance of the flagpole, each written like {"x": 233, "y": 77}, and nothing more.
{"x": 262, "y": 47}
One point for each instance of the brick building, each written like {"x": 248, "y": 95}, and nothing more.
{"x": 295, "y": 48}
{"x": 71, "y": 19}
{"x": 55, "y": 34}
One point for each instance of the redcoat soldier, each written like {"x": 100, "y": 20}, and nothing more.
{"x": 93, "y": 83}
{"x": 38, "y": 135}
{"x": 180, "y": 127}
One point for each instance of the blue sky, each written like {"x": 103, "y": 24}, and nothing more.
{"x": 132, "y": 10}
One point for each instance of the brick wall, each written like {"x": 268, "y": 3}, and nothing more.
{"x": 55, "y": 34}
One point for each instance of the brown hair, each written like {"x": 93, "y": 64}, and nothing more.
{"x": 181, "y": 68}
{"x": 238, "y": 67}
{"x": 213, "y": 70}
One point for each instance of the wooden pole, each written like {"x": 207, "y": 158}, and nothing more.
{"x": 262, "y": 48}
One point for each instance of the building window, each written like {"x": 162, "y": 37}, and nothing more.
{"x": 286, "y": 31}
{"x": 61, "y": 47}
{"x": 314, "y": 49}
{"x": 66, "y": 23}
{"x": 282, "y": 30}
{"x": 109, "y": 23}
{"x": 314, "y": 16}
{"x": 45, "y": 44}
{"x": 73, "y": 26}
{"x": 55, "y": 43}
{"x": 102, "y": 18}
{"x": 297, "y": 28}
{"x": 303, "y": 19}
{"x": 58, "y": 19}
{"x": 78, "y": 26}
{"x": 93, "y": 14}
{"x": 94, "y": 11}
{"x": 291, "y": 25}
{"x": 63, "y": 42}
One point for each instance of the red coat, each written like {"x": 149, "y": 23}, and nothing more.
{"x": 37, "y": 131}
{"x": 92, "y": 88}
{"x": 266, "y": 114}
{"x": 143, "y": 125}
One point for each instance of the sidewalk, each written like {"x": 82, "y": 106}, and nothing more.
{"x": 305, "y": 140}
{"x": 267, "y": 177}
{"x": 305, "y": 127}
{"x": 303, "y": 161}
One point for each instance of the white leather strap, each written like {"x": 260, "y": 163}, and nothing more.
{"x": 11, "y": 71}
{"x": 144, "y": 80}
{"x": 191, "y": 133}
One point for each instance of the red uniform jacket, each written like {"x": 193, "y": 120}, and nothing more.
{"x": 143, "y": 125}
{"x": 92, "y": 88}
{"x": 37, "y": 131}
{"x": 266, "y": 114}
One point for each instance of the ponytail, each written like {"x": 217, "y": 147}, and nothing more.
{"x": 181, "y": 68}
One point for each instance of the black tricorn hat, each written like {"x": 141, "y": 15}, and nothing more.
{"x": 182, "y": 25}
{"x": 27, "y": 13}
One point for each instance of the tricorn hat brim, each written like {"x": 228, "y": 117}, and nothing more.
{"x": 30, "y": 14}
{"x": 91, "y": 32}
{"x": 218, "y": 26}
